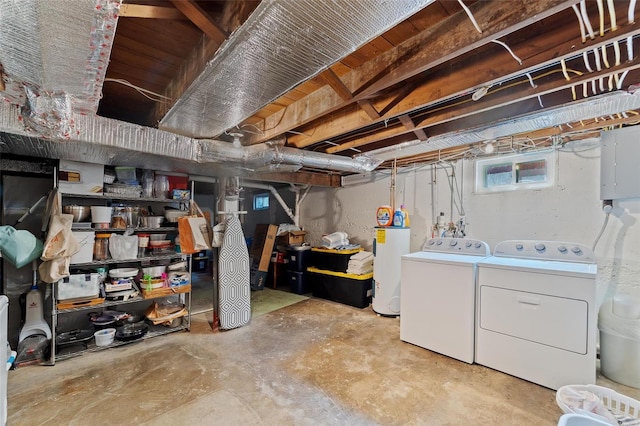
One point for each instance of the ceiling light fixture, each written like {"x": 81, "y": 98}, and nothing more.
{"x": 489, "y": 147}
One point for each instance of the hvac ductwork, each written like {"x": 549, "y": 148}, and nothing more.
{"x": 102, "y": 140}
{"x": 255, "y": 156}
{"x": 282, "y": 44}
{"x": 59, "y": 55}
{"x": 595, "y": 106}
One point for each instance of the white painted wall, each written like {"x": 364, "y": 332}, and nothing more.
{"x": 570, "y": 211}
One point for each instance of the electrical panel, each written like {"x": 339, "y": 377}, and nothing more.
{"x": 619, "y": 171}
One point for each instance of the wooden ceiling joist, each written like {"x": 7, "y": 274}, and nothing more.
{"x": 408, "y": 123}
{"x": 413, "y": 57}
{"x": 153, "y": 12}
{"x": 201, "y": 19}
{"x": 336, "y": 84}
{"x": 448, "y": 85}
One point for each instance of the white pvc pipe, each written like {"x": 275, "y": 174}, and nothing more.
{"x": 277, "y": 196}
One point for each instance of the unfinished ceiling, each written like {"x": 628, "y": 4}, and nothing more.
{"x": 317, "y": 86}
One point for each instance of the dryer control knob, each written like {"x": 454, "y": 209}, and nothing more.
{"x": 562, "y": 249}
{"x": 468, "y": 244}
{"x": 539, "y": 247}
{"x": 453, "y": 243}
{"x": 519, "y": 246}
{"x": 478, "y": 245}
{"x": 576, "y": 250}
{"x": 439, "y": 242}
{"x": 431, "y": 242}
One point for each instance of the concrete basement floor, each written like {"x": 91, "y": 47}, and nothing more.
{"x": 313, "y": 362}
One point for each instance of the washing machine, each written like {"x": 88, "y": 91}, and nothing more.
{"x": 438, "y": 288}
{"x": 536, "y": 313}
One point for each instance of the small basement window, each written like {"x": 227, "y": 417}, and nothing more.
{"x": 261, "y": 201}
{"x": 520, "y": 171}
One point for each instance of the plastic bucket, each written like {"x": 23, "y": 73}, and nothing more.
{"x": 620, "y": 359}
{"x": 104, "y": 337}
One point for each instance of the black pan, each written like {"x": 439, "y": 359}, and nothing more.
{"x": 132, "y": 331}
{"x": 73, "y": 337}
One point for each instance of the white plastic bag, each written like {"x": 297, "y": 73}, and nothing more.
{"x": 123, "y": 247}
{"x": 218, "y": 235}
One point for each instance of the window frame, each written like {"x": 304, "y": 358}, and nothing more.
{"x": 261, "y": 196}
{"x": 482, "y": 166}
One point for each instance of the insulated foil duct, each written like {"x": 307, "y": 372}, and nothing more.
{"x": 57, "y": 47}
{"x": 255, "y": 156}
{"x": 595, "y": 106}
{"x": 112, "y": 142}
{"x": 282, "y": 44}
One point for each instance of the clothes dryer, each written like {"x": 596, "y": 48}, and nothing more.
{"x": 438, "y": 287}
{"x": 536, "y": 314}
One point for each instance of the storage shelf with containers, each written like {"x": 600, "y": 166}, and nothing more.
{"x": 129, "y": 257}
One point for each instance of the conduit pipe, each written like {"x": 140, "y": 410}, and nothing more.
{"x": 277, "y": 196}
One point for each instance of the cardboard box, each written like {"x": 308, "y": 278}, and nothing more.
{"x": 291, "y": 238}
{"x": 264, "y": 239}
{"x": 75, "y": 177}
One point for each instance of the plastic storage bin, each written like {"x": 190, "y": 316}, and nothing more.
{"x": 298, "y": 282}
{"x": 299, "y": 257}
{"x": 350, "y": 289}
{"x": 330, "y": 259}
{"x": 86, "y": 241}
{"x": 78, "y": 286}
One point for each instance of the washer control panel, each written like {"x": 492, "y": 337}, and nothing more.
{"x": 457, "y": 246}
{"x": 545, "y": 250}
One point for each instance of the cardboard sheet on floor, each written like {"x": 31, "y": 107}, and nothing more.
{"x": 233, "y": 272}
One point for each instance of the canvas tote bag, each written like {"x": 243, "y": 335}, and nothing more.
{"x": 60, "y": 244}
{"x": 195, "y": 231}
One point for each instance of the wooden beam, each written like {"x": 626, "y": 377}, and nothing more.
{"x": 336, "y": 84}
{"x": 301, "y": 177}
{"x": 498, "y": 105}
{"x": 453, "y": 37}
{"x": 152, "y": 12}
{"x": 444, "y": 86}
{"x": 407, "y": 122}
{"x": 201, "y": 19}
{"x": 368, "y": 107}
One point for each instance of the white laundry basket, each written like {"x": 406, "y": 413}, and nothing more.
{"x": 612, "y": 403}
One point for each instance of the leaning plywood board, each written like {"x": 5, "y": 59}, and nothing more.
{"x": 261, "y": 249}
{"x": 233, "y": 272}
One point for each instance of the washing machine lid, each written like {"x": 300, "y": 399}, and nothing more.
{"x": 448, "y": 258}
{"x": 540, "y": 266}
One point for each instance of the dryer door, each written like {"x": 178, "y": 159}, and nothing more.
{"x": 553, "y": 321}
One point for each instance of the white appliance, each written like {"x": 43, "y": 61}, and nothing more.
{"x": 438, "y": 291}
{"x": 4, "y": 314}
{"x": 389, "y": 245}
{"x": 536, "y": 315}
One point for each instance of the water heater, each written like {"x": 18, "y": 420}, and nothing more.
{"x": 389, "y": 244}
